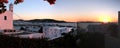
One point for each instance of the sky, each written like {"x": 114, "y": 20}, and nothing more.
{"x": 68, "y": 10}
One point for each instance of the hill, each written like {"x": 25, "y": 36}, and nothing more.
{"x": 43, "y": 20}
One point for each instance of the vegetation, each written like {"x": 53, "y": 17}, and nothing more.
{"x": 3, "y": 2}
{"x": 83, "y": 40}
{"x": 91, "y": 40}
{"x": 13, "y": 42}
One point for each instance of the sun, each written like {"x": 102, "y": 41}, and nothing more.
{"x": 105, "y": 19}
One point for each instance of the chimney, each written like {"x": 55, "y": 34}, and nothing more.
{"x": 11, "y": 7}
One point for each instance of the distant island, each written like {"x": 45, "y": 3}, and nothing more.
{"x": 42, "y": 20}
{"x": 52, "y": 21}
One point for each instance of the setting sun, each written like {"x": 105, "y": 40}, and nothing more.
{"x": 105, "y": 19}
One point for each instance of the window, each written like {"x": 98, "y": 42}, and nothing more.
{"x": 5, "y": 17}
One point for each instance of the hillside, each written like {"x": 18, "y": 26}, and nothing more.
{"x": 43, "y": 20}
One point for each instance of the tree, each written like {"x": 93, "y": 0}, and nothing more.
{"x": 3, "y": 9}
{"x": 40, "y": 30}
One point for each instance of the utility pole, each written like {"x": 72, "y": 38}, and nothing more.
{"x": 77, "y": 28}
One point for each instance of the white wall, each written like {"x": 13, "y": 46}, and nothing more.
{"x": 55, "y": 32}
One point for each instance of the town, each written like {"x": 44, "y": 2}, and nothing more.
{"x": 74, "y": 34}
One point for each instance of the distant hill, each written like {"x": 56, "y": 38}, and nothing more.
{"x": 43, "y": 20}
{"x": 89, "y": 22}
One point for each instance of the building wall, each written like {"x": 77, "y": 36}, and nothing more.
{"x": 85, "y": 25}
{"x": 119, "y": 17}
{"x": 98, "y": 28}
{"x": 8, "y": 23}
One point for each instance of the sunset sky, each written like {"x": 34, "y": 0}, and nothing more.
{"x": 68, "y": 10}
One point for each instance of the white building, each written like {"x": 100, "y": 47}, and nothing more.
{"x": 50, "y": 32}
{"x": 6, "y": 19}
{"x": 55, "y": 32}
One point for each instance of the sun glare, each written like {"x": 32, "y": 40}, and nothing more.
{"x": 105, "y": 19}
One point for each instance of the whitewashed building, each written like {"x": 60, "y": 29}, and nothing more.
{"x": 55, "y": 32}
{"x": 50, "y": 32}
